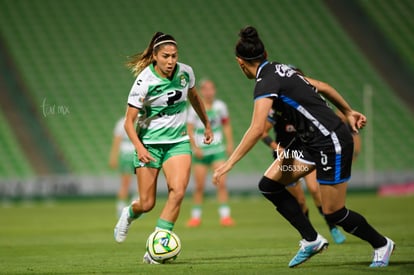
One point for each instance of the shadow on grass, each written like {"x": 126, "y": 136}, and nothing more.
{"x": 400, "y": 264}
{"x": 233, "y": 258}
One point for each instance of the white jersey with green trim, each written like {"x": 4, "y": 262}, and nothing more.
{"x": 126, "y": 145}
{"x": 217, "y": 114}
{"x": 162, "y": 104}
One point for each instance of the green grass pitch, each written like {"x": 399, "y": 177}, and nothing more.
{"x": 76, "y": 237}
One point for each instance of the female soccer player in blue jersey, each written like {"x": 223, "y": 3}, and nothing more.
{"x": 327, "y": 147}
{"x": 158, "y": 98}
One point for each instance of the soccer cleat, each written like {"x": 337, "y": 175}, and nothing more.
{"x": 148, "y": 260}
{"x": 121, "y": 228}
{"x": 227, "y": 222}
{"x": 194, "y": 222}
{"x": 382, "y": 255}
{"x": 337, "y": 235}
{"x": 308, "y": 249}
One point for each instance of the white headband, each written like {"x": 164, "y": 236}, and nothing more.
{"x": 165, "y": 41}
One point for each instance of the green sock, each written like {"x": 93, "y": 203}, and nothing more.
{"x": 163, "y": 224}
{"x": 133, "y": 215}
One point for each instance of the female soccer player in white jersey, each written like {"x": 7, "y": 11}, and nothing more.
{"x": 327, "y": 147}
{"x": 158, "y": 98}
{"x": 212, "y": 155}
{"x": 121, "y": 157}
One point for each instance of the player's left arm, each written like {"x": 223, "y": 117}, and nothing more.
{"x": 331, "y": 94}
{"x": 198, "y": 106}
{"x": 355, "y": 119}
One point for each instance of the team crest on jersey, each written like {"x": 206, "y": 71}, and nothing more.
{"x": 284, "y": 70}
{"x": 183, "y": 81}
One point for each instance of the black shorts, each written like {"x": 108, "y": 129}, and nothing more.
{"x": 286, "y": 140}
{"x": 291, "y": 143}
{"x": 332, "y": 155}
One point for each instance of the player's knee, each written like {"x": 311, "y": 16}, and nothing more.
{"x": 337, "y": 216}
{"x": 268, "y": 186}
{"x": 199, "y": 188}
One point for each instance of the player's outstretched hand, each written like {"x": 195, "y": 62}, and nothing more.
{"x": 220, "y": 171}
{"x": 356, "y": 120}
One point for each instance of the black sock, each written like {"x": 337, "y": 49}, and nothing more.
{"x": 331, "y": 225}
{"x": 357, "y": 225}
{"x": 288, "y": 207}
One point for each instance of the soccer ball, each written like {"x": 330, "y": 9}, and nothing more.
{"x": 163, "y": 246}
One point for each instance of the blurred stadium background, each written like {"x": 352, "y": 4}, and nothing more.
{"x": 63, "y": 83}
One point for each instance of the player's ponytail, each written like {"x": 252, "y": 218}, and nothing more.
{"x": 141, "y": 60}
{"x": 250, "y": 47}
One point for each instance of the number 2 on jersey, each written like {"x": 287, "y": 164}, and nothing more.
{"x": 173, "y": 96}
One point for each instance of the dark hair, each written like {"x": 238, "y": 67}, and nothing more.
{"x": 250, "y": 47}
{"x": 141, "y": 60}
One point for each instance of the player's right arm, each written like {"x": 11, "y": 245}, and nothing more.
{"x": 198, "y": 153}
{"x": 355, "y": 119}
{"x": 135, "y": 103}
{"x": 266, "y": 137}
{"x": 129, "y": 125}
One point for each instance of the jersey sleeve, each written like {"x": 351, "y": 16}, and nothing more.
{"x": 223, "y": 112}
{"x": 266, "y": 87}
{"x": 192, "y": 77}
{"x": 119, "y": 127}
{"x": 137, "y": 94}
